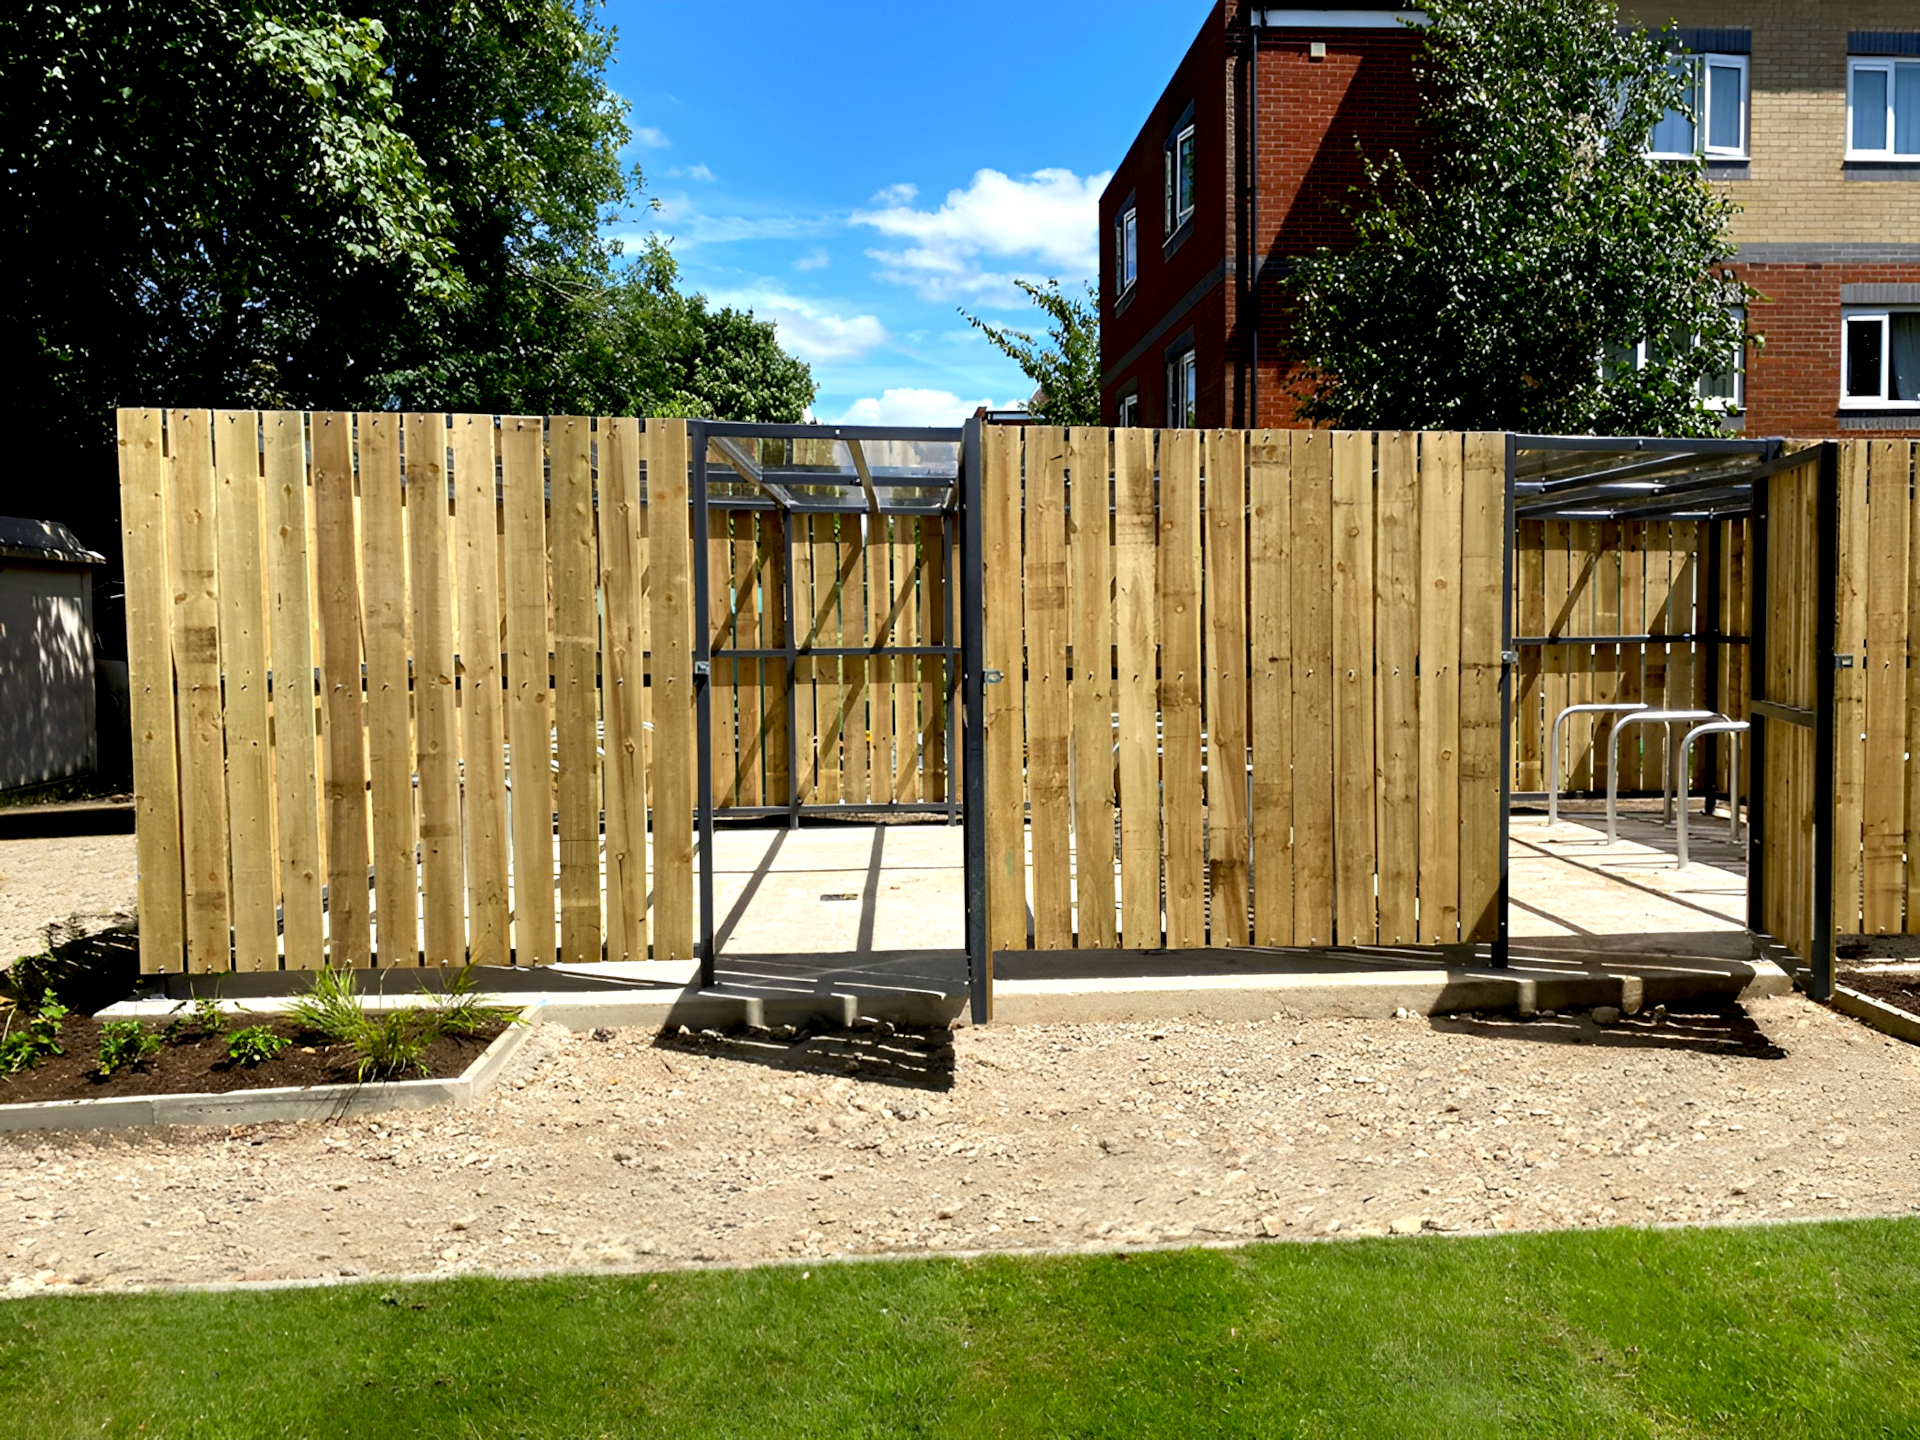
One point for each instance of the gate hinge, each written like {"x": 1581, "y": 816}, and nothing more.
{"x": 991, "y": 677}
{"x": 1510, "y": 658}
{"x": 1843, "y": 662}
{"x": 703, "y": 667}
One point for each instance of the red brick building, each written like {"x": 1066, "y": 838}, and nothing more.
{"x": 1809, "y": 117}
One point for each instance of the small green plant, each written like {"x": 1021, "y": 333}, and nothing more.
{"x": 203, "y": 1021}
{"x": 331, "y": 1007}
{"x": 254, "y": 1045}
{"x": 390, "y": 1043}
{"x": 37, "y": 1037}
{"x": 125, "y": 1045}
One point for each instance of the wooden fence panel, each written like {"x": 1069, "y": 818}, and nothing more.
{"x": 1136, "y": 587}
{"x": 1354, "y": 829}
{"x": 1313, "y": 682}
{"x": 1050, "y": 734}
{"x": 576, "y": 646}
{"x": 435, "y": 699}
{"x": 1005, "y": 707}
{"x": 482, "y": 722}
{"x": 1270, "y": 634}
{"x": 343, "y": 707}
{"x": 390, "y": 751}
{"x": 1442, "y": 480}
{"x": 1482, "y": 561}
{"x": 1396, "y": 659}
{"x": 146, "y": 505}
{"x": 529, "y": 692}
{"x": 622, "y": 562}
{"x": 1181, "y": 721}
{"x": 1883, "y": 827}
{"x": 1225, "y": 603}
{"x": 670, "y": 565}
{"x": 1090, "y": 589}
{"x": 244, "y": 664}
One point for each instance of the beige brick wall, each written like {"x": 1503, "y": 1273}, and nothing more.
{"x": 1797, "y": 190}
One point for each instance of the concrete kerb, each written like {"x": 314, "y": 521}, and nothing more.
{"x": 290, "y": 1102}
{"x": 1888, "y": 1019}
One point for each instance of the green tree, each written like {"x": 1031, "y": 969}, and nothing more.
{"x": 1510, "y": 292}
{"x": 1066, "y": 365}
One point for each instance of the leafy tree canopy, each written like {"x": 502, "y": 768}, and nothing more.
{"x": 1066, "y": 365}
{"x": 1546, "y": 242}
{"x": 296, "y": 202}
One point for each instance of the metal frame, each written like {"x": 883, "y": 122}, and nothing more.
{"x": 781, "y": 491}
{"x": 1733, "y": 730}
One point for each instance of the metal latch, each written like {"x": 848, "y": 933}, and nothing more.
{"x": 1843, "y": 662}
{"x": 992, "y": 677}
{"x": 1510, "y": 657}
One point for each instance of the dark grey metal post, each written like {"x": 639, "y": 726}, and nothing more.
{"x": 1758, "y": 602}
{"x": 1507, "y": 654}
{"x": 702, "y": 690}
{"x": 1826, "y": 621}
{"x": 973, "y": 666}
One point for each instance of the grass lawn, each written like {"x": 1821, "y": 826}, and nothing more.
{"x": 1801, "y": 1331}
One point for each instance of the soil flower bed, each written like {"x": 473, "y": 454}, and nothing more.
{"x": 199, "y": 1063}
{"x": 1900, "y": 991}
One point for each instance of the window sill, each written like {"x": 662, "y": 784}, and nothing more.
{"x": 1905, "y": 418}
{"x": 1125, "y": 300}
{"x": 1729, "y": 169}
{"x": 1881, "y": 169}
{"x": 1179, "y": 237}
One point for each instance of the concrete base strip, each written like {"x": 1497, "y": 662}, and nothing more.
{"x": 287, "y": 1102}
{"x": 1369, "y": 995}
{"x": 1888, "y": 1019}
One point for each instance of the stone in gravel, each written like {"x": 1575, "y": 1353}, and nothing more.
{"x": 1408, "y": 1225}
{"x": 1606, "y": 1015}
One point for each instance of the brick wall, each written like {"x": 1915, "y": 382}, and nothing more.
{"x": 1798, "y": 187}
{"x": 1793, "y": 381}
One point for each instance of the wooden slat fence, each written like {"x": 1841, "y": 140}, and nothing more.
{"x": 1635, "y": 577}
{"x": 414, "y": 660}
{"x": 1877, "y": 699}
{"x": 1249, "y": 687}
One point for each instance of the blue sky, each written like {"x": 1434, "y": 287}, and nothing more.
{"x": 853, "y": 172}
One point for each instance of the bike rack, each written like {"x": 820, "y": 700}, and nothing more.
{"x": 1669, "y": 718}
{"x": 1553, "y": 747}
{"x": 1734, "y": 729}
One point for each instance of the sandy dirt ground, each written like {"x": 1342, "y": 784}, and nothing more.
{"x": 50, "y": 878}
{"x": 626, "y": 1149}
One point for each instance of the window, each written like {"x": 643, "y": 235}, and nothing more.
{"x": 1724, "y": 389}
{"x": 1126, "y": 250}
{"x": 1182, "y": 382}
{"x": 1883, "y": 109}
{"x": 1712, "y": 117}
{"x": 1129, "y": 415}
{"x": 1180, "y": 179}
{"x": 1880, "y": 358}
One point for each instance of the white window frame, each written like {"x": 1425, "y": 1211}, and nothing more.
{"x": 1884, "y": 314}
{"x": 1126, "y": 250}
{"x": 1129, "y": 411}
{"x": 1177, "y": 215}
{"x": 1704, "y": 65}
{"x": 1737, "y": 405}
{"x": 1889, "y": 66}
{"x": 1183, "y": 391}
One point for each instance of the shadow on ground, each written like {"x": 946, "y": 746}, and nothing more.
{"x": 1730, "y": 1033}
{"x": 911, "y": 1059}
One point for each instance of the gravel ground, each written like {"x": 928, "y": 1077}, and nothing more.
{"x": 50, "y": 878}
{"x": 625, "y": 1149}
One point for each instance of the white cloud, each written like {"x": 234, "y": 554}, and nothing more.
{"x": 910, "y": 406}
{"x": 1045, "y": 223}
{"x": 651, "y": 137}
{"x": 816, "y": 259}
{"x": 815, "y": 332}
{"x": 681, "y": 217}
{"x": 691, "y": 172}
{"x": 903, "y": 194}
